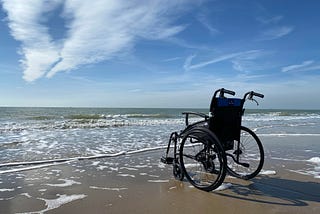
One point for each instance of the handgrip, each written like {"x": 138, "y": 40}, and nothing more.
{"x": 250, "y": 95}
{"x": 222, "y": 91}
{"x": 257, "y": 94}
{"x": 228, "y": 91}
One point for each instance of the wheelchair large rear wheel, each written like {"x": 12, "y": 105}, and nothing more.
{"x": 202, "y": 159}
{"x": 249, "y": 154}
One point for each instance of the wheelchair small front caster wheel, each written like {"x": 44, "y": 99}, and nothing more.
{"x": 177, "y": 172}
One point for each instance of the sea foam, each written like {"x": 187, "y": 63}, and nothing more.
{"x": 56, "y": 203}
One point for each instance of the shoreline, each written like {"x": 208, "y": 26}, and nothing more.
{"x": 139, "y": 183}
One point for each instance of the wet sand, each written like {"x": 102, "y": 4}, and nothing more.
{"x": 139, "y": 183}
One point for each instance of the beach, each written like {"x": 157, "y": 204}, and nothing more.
{"x": 95, "y": 165}
{"x": 140, "y": 183}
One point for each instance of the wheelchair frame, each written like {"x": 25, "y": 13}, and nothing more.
{"x": 217, "y": 144}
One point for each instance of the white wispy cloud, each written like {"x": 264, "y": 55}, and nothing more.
{"x": 38, "y": 50}
{"x": 238, "y": 55}
{"x": 309, "y": 65}
{"x": 269, "y": 19}
{"x": 275, "y": 33}
{"x": 187, "y": 63}
{"x": 97, "y": 30}
{"x": 205, "y": 22}
{"x": 172, "y": 59}
{"x": 248, "y": 62}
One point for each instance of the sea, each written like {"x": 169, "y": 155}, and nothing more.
{"x": 31, "y": 135}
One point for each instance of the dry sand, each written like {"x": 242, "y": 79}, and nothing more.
{"x": 141, "y": 184}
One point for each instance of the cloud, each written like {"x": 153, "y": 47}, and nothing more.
{"x": 238, "y": 55}
{"x": 38, "y": 50}
{"x": 97, "y": 30}
{"x": 269, "y": 19}
{"x": 248, "y": 62}
{"x": 172, "y": 59}
{"x": 275, "y": 33}
{"x": 205, "y": 22}
{"x": 305, "y": 66}
{"x": 187, "y": 63}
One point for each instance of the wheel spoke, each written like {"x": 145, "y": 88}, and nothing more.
{"x": 248, "y": 160}
{"x": 203, "y": 163}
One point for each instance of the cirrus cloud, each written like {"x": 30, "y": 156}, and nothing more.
{"x": 275, "y": 33}
{"x": 96, "y": 30}
{"x": 251, "y": 54}
{"x": 309, "y": 65}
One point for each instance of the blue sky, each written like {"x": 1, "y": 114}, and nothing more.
{"x": 158, "y": 53}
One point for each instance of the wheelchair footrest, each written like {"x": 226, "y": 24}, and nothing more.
{"x": 167, "y": 160}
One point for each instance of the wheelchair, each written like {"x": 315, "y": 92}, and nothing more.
{"x": 207, "y": 149}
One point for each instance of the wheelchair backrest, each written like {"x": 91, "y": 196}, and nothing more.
{"x": 226, "y": 118}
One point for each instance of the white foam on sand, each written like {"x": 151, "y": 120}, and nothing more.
{"x": 129, "y": 168}
{"x": 61, "y": 200}
{"x": 315, "y": 160}
{"x": 6, "y": 199}
{"x": 126, "y": 175}
{"x": 95, "y": 163}
{"x": 223, "y": 186}
{"x": 26, "y": 195}
{"x": 286, "y": 159}
{"x": 36, "y": 162}
{"x": 142, "y": 166}
{"x": 66, "y": 183}
{"x": 146, "y": 150}
{"x": 31, "y": 167}
{"x": 6, "y": 190}
{"x": 267, "y": 172}
{"x": 61, "y": 160}
{"x": 58, "y": 202}
{"x": 51, "y": 162}
{"x": 158, "y": 181}
{"x": 109, "y": 188}
{"x": 101, "y": 167}
{"x": 315, "y": 171}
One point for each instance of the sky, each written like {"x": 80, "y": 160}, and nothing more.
{"x": 158, "y": 53}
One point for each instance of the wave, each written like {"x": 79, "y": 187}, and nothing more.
{"x": 32, "y": 167}
{"x": 281, "y": 115}
{"x": 51, "y": 162}
{"x": 42, "y": 117}
{"x": 85, "y": 124}
{"x": 101, "y": 116}
{"x": 9, "y": 145}
{"x": 65, "y": 119}
{"x": 273, "y": 117}
{"x": 315, "y": 160}
{"x": 85, "y": 117}
{"x": 149, "y": 116}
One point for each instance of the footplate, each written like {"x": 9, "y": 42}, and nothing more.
{"x": 167, "y": 160}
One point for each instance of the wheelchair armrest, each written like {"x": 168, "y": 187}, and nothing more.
{"x": 206, "y": 117}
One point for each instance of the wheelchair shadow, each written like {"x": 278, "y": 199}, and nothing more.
{"x": 276, "y": 191}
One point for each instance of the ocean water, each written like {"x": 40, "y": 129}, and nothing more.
{"x": 36, "y": 134}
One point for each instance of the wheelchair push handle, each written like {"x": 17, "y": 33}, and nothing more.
{"x": 222, "y": 92}
{"x": 258, "y": 95}
{"x": 251, "y": 94}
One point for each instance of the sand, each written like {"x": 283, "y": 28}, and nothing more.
{"x": 139, "y": 183}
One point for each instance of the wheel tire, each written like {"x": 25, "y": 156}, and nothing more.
{"x": 202, "y": 159}
{"x": 252, "y": 152}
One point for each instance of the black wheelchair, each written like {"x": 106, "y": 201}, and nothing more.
{"x": 206, "y": 150}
